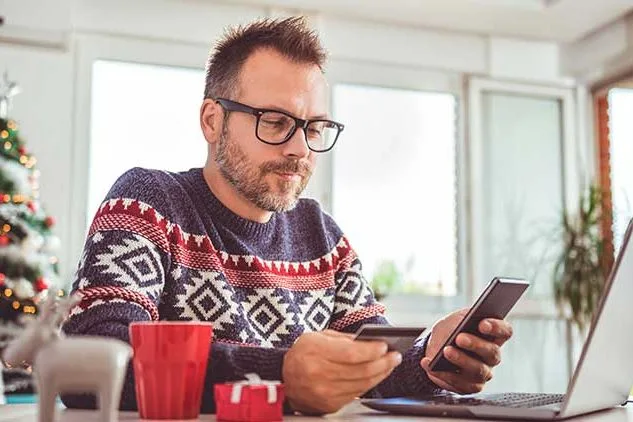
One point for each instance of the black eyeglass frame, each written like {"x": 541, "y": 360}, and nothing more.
{"x": 230, "y": 105}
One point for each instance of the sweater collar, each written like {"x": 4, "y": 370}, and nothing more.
{"x": 220, "y": 213}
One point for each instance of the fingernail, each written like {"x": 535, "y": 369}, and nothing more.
{"x": 486, "y": 327}
{"x": 465, "y": 341}
{"x": 397, "y": 359}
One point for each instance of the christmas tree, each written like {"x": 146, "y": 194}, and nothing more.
{"x": 28, "y": 246}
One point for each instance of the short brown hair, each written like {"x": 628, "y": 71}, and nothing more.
{"x": 291, "y": 37}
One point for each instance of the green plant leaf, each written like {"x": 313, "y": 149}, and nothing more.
{"x": 579, "y": 272}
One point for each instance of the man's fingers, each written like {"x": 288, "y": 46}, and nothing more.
{"x": 340, "y": 348}
{"x": 334, "y": 333}
{"x": 359, "y": 387}
{"x": 347, "y": 351}
{"x": 451, "y": 381}
{"x": 471, "y": 369}
{"x": 488, "y": 351}
{"x": 364, "y": 371}
{"x": 499, "y": 329}
{"x": 443, "y": 384}
{"x": 343, "y": 382}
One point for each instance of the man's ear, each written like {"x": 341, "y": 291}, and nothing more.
{"x": 211, "y": 117}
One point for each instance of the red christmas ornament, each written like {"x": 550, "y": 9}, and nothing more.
{"x": 41, "y": 284}
{"x": 4, "y": 240}
{"x": 2, "y": 278}
{"x": 50, "y": 221}
{"x": 31, "y": 205}
{"x": 22, "y": 150}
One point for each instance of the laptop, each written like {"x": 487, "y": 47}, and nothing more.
{"x": 602, "y": 378}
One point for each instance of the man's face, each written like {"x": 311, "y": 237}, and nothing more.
{"x": 271, "y": 176}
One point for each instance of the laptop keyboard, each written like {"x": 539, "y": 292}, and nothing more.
{"x": 501, "y": 399}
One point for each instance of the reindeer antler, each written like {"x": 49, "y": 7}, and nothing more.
{"x": 48, "y": 308}
{"x": 64, "y": 306}
{"x": 55, "y": 310}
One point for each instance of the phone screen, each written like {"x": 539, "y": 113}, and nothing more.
{"x": 495, "y": 301}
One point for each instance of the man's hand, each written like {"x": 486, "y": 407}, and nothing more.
{"x": 473, "y": 373}
{"x": 323, "y": 371}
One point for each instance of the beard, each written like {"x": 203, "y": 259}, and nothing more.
{"x": 250, "y": 182}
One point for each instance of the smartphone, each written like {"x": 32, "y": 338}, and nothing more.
{"x": 399, "y": 339}
{"x": 495, "y": 301}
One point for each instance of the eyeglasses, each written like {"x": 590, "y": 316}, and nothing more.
{"x": 277, "y": 127}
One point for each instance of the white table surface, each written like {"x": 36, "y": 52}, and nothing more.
{"x": 352, "y": 412}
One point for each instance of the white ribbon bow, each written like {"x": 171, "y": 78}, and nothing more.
{"x": 254, "y": 379}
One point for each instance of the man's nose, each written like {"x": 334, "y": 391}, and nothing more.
{"x": 297, "y": 145}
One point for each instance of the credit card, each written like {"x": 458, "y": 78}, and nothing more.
{"x": 400, "y": 339}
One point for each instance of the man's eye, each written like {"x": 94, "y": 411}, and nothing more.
{"x": 273, "y": 122}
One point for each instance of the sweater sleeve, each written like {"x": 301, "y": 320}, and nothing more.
{"x": 356, "y": 305}
{"x": 122, "y": 275}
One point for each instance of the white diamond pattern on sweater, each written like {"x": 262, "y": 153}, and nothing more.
{"x": 352, "y": 290}
{"x": 205, "y": 298}
{"x": 134, "y": 262}
{"x": 267, "y": 317}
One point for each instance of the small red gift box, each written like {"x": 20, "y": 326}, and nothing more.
{"x": 252, "y": 400}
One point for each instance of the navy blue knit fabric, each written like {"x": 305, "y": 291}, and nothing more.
{"x": 165, "y": 236}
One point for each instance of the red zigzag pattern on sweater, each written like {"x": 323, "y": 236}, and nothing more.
{"x": 197, "y": 251}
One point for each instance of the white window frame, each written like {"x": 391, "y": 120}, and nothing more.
{"x": 571, "y": 178}
{"x": 88, "y": 49}
{"x": 411, "y": 309}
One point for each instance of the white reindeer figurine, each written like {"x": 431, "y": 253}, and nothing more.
{"x": 70, "y": 364}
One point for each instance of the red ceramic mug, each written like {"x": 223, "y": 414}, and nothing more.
{"x": 170, "y": 364}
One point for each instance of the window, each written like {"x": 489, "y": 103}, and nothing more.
{"x": 521, "y": 188}
{"x": 142, "y": 116}
{"x": 394, "y": 182}
{"x": 621, "y": 152}
{"x": 523, "y": 152}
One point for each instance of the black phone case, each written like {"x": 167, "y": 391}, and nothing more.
{"x": 495, "y": 301}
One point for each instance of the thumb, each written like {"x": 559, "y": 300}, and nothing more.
{"x": 337, "y": 334}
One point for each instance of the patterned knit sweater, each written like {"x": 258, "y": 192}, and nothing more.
{"x": 162, "y": 246}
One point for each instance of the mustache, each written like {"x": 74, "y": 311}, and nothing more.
{"x": 287, "y": 166}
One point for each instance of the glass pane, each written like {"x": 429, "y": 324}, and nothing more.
{"x": 142, "y": 115}
{"x": 522, "y": 188}
{"x": 621, "y": 134}
{"x": 394, "y": 183}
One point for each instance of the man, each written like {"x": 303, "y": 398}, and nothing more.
{"x": 232, "y": 244}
